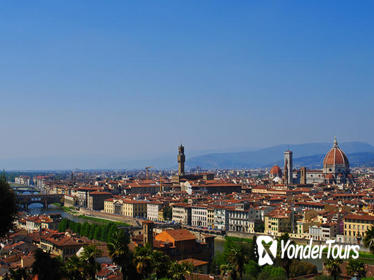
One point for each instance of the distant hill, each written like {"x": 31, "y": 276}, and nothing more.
{"x": 309, "y": 155}
{"x": 316, "y": 161}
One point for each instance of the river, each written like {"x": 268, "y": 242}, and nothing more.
{"x": 37, "y": 209}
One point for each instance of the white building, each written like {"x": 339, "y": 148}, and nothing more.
{"x": 153, "y": 209}
{"x": 22, "y": 180}
{"x": 221, "y": 219}
{"x": 315, "y": 232}
{"x": 239, "y": 221}
{"x": 181, "y": 213}
{"x": 199, "y": 216}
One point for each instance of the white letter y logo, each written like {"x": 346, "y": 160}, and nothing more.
{"x": 266, "y": 255}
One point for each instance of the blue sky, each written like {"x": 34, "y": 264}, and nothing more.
{"x": 136, "y": 78}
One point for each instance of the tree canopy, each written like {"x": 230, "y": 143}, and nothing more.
{"x": 8, "y": 206}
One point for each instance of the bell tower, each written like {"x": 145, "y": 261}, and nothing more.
{"x": 288, "y": 167}
{"x": 181, "y": 160}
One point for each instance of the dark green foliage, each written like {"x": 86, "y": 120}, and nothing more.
{"x": 73, "y": 268}
{"x": 259, "y": 227}
{"x": 272, "y": 273}
{"x": 284, "y": 262}
{"x": 252, "y": 268}
{"x": 47, "y": 267}
{"x": 90, "y": 266}
{"x": 121, "y": 254}
{"x": 8, "y": 206}
{"x": 167, "y": 213}
{"x": 62, "y": 226}
{"x": 19, "y": 274}
{"x": 299, "y": 268}
{"x": 92, "y": 231}
{"x": 83, "y": 267}
{"x": 85, "y": 229}
{"x": 356, "y": 268}
{"x": 333, "y": 267}
{"x": 97, "y": 233}
{"x": 239, "y": 260}
{"x": 369, "y": 239}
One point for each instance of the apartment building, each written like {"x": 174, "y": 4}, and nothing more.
{"x": 126, "y": 207}
{"x": 221, "y": 218}
{"x": 239, "y": 221}
{"x": 355, "y": 226}
{"x": 199, "y": 216}
{"x": 181, "y": 213}
{"x": 276, "y": 224}
{"x": 153, "y": 211}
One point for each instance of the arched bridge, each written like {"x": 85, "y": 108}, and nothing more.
{"x": 26, "y": 199}
{"x": 23, "y": 189}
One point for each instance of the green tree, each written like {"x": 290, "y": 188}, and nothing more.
{"x": 218, "y": 260}
{"x": 19, "y": 274}
{"x": 121, "y": 254}
{"x": 151, "y": 264}
{"x": 299, "y": 268}
{"x": 104, "y": 233}
{"x": 356, "y": 268}
{"x": 238, "y": 257}
{"x": 91, "y": 231}
{"x": 143, "y": 261}
{"x": 8, "y": 206}
{"x": 228, "y": 271}
{"x": 333, "y": 267}
{"x": 78, "y": 228}
{"x": 62, "y": 225}
{"x": 73, "y": 269}
{"x": 167, "y": 213}
{"x": 272, "y": 273}
{"x": 259, "y": 227}
{"x": 178, "y": 271}
{"x": 253, "y": 255}
{"x": 161, "y": 264}
{"x": 85, "y": 229}
{"x": 46, "y": 267}
{"x": 88, "y": 258}
{"x": 97, "y": 233}
{"x": 369, "y": 239}
{"x": 251, "y": 269}
{"x": 284, "y": 262}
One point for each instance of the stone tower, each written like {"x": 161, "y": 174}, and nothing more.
{"x": 303, "y": 175}
{"x": 288, "y": 167}
{"x": 181, "y": 160}
{"x": 148, "y": 233}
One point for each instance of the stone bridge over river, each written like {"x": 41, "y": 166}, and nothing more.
{"x": 24, "y": 200}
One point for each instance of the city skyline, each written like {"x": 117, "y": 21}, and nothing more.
{"x": 135, "y": 80}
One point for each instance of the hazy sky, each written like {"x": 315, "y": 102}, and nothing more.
{"x": 136, "y": 78}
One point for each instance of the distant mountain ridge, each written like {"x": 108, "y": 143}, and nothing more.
{"x": 310, "y": 155}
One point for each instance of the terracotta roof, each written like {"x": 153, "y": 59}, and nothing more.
{"x": 180, "y": 234}
{"x": 275, "y": 170}
{"x": 335, "y": 156}
{"x": 359, "y": 217}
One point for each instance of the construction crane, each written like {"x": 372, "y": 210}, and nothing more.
{"x": 147, "y": 171}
